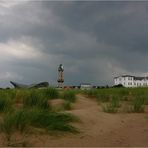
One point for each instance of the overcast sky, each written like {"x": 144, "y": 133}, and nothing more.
{"x": 95, "y": 41}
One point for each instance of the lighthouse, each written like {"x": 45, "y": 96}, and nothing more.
{"x": 60, "y": 76}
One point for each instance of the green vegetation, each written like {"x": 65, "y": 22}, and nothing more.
{"x": 138, "y": 104}
{"x": 91, "y": 92}
{"x": 23, "y": 109}
{"x": 52, "y": 120}
{"x": 26, "y": 119}
{"x": 67, "y": 105}
{"x": 102, "y": 97}
{"x": 49, "y": 93}
{"x": 5, "y": 101}
{"x": 112, "y": 99}
{"x": 5, "y": 104}
{"x": 109, "y": 108}
{"x": 115, "y": 101}
{"x": 69, "y": 95}
{"x": 20, "y": 120}
{"x": 35, "y": 98}
{"x": 112, "y": 106}
{"x": 16, "y": 120}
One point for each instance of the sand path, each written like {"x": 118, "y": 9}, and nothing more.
{"x": 100, "y": 129}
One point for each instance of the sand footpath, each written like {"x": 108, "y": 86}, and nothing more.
{"x": 100, "y": 129}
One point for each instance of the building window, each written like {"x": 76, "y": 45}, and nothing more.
{"x": 144, "y": 84}
{"x": 129, "y": 83}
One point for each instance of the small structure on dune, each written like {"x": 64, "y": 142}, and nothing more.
{"x": 37, "y": 85}
{"x": 85, "y": 86}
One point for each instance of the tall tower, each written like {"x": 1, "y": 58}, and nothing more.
{"x": 60, "y": 76}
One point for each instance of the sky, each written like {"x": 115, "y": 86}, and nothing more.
{"x": 94, "y": 40}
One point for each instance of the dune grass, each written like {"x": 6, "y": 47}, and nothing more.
{"x": 49, "y": 93}
{"x": 109, "y": 108}
{"x": 5, "y": 101}
{"x": 136, "y": 98}
{"x": 25, "y": 120}
{"x": 35, "y": 98}
{"x": 22, "y": 119}
{"x": 35, "y": 111}
{"x": 91, "y": 92}
{"x": 138, "y": 104}
{"x": 5, "y": 104}
{"x": 112, "y": 106}
{"x": 69, "y": 95}
{"x": 67, "y": 105}
{"x": 14, "y": 121}
{"x": 52, "y": 121}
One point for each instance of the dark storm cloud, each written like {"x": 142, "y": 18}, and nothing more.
{"x": 94, "y": 40}
{"x": 115, "y": 23}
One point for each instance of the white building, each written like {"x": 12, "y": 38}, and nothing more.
{"x": 131, "y": 81}
{"x": 84, "y": 86}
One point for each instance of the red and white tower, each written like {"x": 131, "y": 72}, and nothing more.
{"x": 60, "y": 76}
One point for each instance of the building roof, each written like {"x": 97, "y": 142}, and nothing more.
{"x": 124, "y": 76}
{"x": 140, "y": 78}
{"x": 135, "y": 78}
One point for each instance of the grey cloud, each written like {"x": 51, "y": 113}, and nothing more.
{"x": 94, "y": 40}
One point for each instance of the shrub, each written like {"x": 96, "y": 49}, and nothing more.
{"x": 115, "y": 102}
{"x": 67, "y": 105}
{"x": 52, "y": 121}
{"x": 30, "y": 99}
{"x": 12, "y": 122}
{"x": 124, "y": 92}
{"x": 109, "y": 108}
{"x": 17, "y": 120}
{"x": 20, "y": 120}
{"x": 112, "y": 106}
{"x": 145, "y": 98}
{"x": 50, "y": 93}
{"x": 10, "y": 92}
{"x": 69, "y": 95}
{"x": 118, "y": 86}
{"x": 138, "y": 105}
{"x": 103, "y": 97}
{"x": 5, "y": 102}
{"x": 7, "y": 124}
{"x": 91, "y": 92}
{"x": 34, "y": 98}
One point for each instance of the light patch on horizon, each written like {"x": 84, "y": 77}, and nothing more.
{"x": 11, "y": 3}
{"x": 19, "y": 50}
{"x": 9, "y": 75}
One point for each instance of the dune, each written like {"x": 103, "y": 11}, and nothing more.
{"x": 99, "y": 129}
